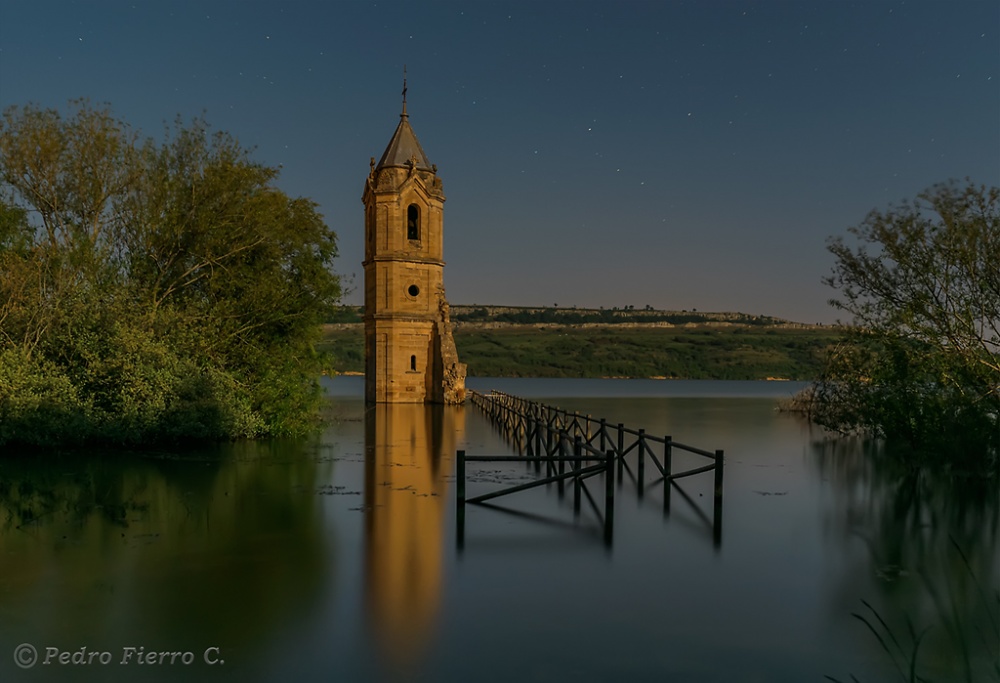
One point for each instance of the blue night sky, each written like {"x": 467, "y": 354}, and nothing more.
{"x": 677, "y": 154}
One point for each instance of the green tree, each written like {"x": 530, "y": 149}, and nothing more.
{"x": 153, "y": 290}
{"x": 920, "y": 362}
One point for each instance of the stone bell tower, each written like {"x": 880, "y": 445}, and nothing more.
{"x": 410, "y": 354}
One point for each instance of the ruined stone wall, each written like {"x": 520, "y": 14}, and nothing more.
{"x": 453, "y": 372}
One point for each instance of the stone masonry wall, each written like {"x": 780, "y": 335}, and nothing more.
{"x": 453, "y": 375}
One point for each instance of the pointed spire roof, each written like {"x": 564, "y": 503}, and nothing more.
{"x": 404, "y": 145}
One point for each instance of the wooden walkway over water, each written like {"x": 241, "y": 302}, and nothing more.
{"x": 574, "y": 448}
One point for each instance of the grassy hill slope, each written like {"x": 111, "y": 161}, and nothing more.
{"x": 539, "y": 342}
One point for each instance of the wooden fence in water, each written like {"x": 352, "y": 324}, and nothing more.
{"x": 549, "y": 436}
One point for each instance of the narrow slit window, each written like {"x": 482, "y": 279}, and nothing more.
{"x": 412, "y": 222}
{"x": 413, "y": 363}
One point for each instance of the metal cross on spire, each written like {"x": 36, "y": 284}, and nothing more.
{"x": 404, "y": 90}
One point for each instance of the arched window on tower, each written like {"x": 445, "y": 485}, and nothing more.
{"x": 413, "y": 222}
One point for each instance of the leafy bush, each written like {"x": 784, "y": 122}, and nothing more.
{"x": 920, "y": 365}
{"x": 164, "y": 291}
{"x": 39, "y": 404}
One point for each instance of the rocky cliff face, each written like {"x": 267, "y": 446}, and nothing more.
{"x": 453, "y": 375}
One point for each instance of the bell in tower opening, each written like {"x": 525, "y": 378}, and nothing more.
{"x": 410, "y": 354}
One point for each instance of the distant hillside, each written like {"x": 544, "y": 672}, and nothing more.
{"x": 605, "y": 316}
{"x": 629, "y": 315}
{"x": 508, "y": 341}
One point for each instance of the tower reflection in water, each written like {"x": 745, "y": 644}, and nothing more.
{"x": 409, "y": 452}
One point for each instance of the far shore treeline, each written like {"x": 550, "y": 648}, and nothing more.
{"x": 150, "y": 290}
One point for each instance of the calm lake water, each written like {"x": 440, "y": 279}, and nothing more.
{"x": 334, "y": 558}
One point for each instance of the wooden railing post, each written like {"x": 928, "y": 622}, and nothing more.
{"x": 577, "y": 452}
{"x": 460, "y": 479}
{"x": 668, "y": 454}
{"x": 641, "y": 464}
{"x": 717, "y": 507}
{"x": 549, "y": 446}
{"x": 539, "y": 419}
{"x": 621, "y": 451}
{"x": 718, "y": 473}
{"x": 609, "y": 497}
{"x": 561, "y": 467}
{"x": 460, "y": 499}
